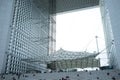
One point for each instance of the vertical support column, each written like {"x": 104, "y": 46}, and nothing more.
{"x": 52, "y": 28}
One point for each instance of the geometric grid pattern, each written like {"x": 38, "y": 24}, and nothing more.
{"x": 30, "y": 22}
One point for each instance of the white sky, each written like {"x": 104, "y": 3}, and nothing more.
{"x": 76, "y": 31}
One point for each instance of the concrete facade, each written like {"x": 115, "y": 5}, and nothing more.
{"x": 6, "y": 7}
{"x": 110, "y": 14}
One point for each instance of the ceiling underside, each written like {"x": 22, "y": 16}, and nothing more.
{"x": 68, "y": 5}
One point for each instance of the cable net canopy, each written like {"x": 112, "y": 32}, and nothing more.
{"x": 69, "y": 55}
{"x": 63, "y": 59}
{"x": 62, "y": 55}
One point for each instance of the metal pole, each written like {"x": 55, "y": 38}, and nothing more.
{"x": 97, "y": 43}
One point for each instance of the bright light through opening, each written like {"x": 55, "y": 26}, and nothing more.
{"x": 76, "y": 31}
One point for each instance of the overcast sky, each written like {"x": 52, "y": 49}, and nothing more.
{"x": 76, "y": 31}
